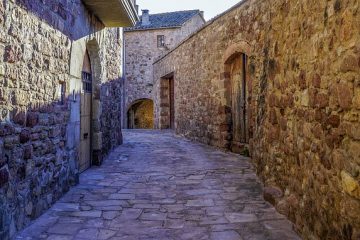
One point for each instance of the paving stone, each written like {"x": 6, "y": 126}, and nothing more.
{"x": 64, "y": 228}
{"x": 153, "y": 216}
{"x": 109, "y": 215}
{"x": 105, "y": 234}
{"x": 59, "y": 237}
{"x": 176, "y": 190}
{"x": 200, "y": 203}
{"x": 131, "y": 213}
{"x": 87, "y": 233}
{"x": 122, "y": 196}
{"x": 226, "y": 235}
{"x": 241, "y": 217}
{"x": 66, "y": 207}
{"x": 174, "y": 224}
{"x": 90, "y": 214}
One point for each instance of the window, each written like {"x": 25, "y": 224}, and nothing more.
{"x": 87, "y": 82}
{"x": 161, "y": 41}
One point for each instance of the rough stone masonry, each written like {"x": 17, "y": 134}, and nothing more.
{"x": 141, "y": 49}
{"x": 42, "y": 46}
{"x": 303, "y": 103}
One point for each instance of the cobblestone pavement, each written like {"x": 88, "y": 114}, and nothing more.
{"x": 158, "y": 186}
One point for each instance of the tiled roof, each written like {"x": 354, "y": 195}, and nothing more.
{"x": 165, "y": 20}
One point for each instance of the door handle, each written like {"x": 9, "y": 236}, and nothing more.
{"x": 86, "y": 135}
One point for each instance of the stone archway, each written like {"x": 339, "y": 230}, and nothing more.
{"x": 141, "y": 114}
{"x": 238, "y": 94}
{"x": 84, "y": 49}
{"x": 92, "y": 47}
{"x": 84, "y": 129}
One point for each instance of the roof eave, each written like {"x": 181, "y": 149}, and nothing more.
{"x": 114, "y": 13}
{"x": 148, "y": 29}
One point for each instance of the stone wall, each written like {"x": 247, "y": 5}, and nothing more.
{"x": 42, "y": 46}
{"x": 303, "y": 103}
{"x": 141, "y": 51}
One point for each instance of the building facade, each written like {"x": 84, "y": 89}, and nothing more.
{"x": 60, "y": 103}
{"x": 278, "y": 80}
{"x": 150, "y": 38}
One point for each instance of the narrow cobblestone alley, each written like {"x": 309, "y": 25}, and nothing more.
{"x": 159, "y": 186}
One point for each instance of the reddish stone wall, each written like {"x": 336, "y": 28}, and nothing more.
{"x": 304, "y": 66}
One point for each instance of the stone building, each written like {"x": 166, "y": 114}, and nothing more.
{"x": 154, "y": 35}
{"x": 279, "y": 80}
{"x": 60, "y": 105}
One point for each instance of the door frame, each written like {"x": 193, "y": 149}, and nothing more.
{"x": 83, "y": 92}
{"x": 167, "y": 120}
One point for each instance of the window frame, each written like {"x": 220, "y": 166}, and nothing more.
{"x": 160, "y": 41}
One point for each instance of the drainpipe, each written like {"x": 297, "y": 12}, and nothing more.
{"x": 124, "y": 81}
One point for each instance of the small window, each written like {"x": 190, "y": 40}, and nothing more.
{"x": 61, "y": 92}
{"x": 87, "y": 82}
{"x": 161, "y": 41}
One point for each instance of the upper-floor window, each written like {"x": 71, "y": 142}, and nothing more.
{"x": 161, "y": 41}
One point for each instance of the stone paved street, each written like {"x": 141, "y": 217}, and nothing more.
{"x": 158, "y": 186}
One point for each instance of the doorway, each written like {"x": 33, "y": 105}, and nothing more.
{"x": 167, "y": 102}
{"x": 239, "y": 95}
{"x": 172, "y": 102}
{"x": 85, "y": 115}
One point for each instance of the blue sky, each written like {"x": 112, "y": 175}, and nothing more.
{"x": 210, "y": 7}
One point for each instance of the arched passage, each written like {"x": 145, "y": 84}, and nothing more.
{"x": 90, "y": 110}
{"x": 141, "y": 114}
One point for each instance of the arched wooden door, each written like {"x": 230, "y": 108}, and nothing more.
{"x": 240, "y": 128}
{"x": 86, "y": 106}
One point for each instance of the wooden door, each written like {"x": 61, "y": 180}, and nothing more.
{"x": 244, "y": 103}
{"x": 239, "y": 105}
{"x": 85, "y": 116}
{"x": 172, "y": 102}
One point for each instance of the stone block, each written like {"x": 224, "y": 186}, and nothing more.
{"x": 350, "y": 63}
{"x": 97, "y": 109}
{"x": 321, "y": 100}
{"x": 305, "y": 98}
{"x": 272, "y": 194}
{"x": 345, "y": 95}
{"x": 333, "y": 121}
{"x": 13, "y": 54}
{"x": 316, "y": 81}
{"x": 356, "y": 99}
{"x": 302, "y": 80}
{"x": 2, "y": 69}
{"x": 97, "y": 141}
{"x": 32, "y": 119}
{"x": 55, "y": 132}
{"x": 11, "y": 141}
{"x": 43, "y": 119}
{"x": 97, "y": 157}
{"x": 28, "y": 151}
{"x": 24, "y": 136}
{"x": 355, "y": 131}
{"x": 350, "y": 185}
{"x": 354, "y": 150}
{"x": 19, "y": 117}
{"x": 272, "y": 116}
{"x": 4, "y": 176}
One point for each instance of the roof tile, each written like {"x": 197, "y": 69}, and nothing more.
{"x": 165, "y": 20}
